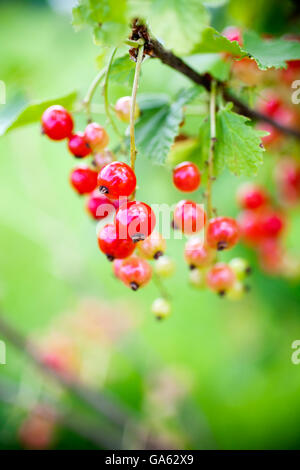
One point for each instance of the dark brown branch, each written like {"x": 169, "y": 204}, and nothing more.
{"x": 155, "y": 49}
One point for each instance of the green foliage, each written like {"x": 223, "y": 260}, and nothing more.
{"x": 238, "y": 146}
{"x": 107, "y": 18}
{"x": 159, "y": 124}
{"x": 271, "y": 52}
{"x": 213, "y": 41}
{"x": 210, "y": 63}
{"x": 187, "y": 20}
{"x": 32, "y": 112}
{"x": 122, "y": 70}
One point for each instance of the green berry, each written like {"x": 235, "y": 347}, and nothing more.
{"x": 236, "y": 292}
{"x": 161, "y": 308}
{"x": 197, "y": 278}
{"x": 241, "y": 268}
{"x": 164, "y": 266}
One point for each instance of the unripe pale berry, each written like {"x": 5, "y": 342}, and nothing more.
{"x": 57, "y": 123}
{"x": 122, "y": 109}
{"x": 161, "y": 308}
{"x": 222, "y": 233}
{"x": 236, "y": 292}
{"x": 135, "y": 272}
{"x": 240, "y": 267}
{"x": 83, "y": 179}
{"x": 117, "y": 179}
{"x": 112, "y": 246}
{"x": 153, "y": 246}
{"x": 164, "y": 266}
{"x": 220, "y": 278}
{"x": 197, "y": 254}
{"x": 135, "y": 220}
{"x": 99, "y": 206}
{"x": 186, "y": 177}
{"x": 103, "y": 158}
{"x": 197, "y": 278}
{"x": 189, "y": 217}
{"x": 251, "y": 196}
{"x": 78, "y": 146}
{"x": 96, "y": 136}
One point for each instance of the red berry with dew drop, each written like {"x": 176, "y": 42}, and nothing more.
{"x": 135, "y": 272}
{"x": 135, "y": 220}
{"x": 83, "y": 179}
{"x": 222, "y": 233}
{"x": 113, "y": 246}
{"x": 78, "y": 146}
{"x": 57, "y": 123}
{"x": 189, "y": 217}
{"x": 186, "y": 177}
{"x": 117, "y": 179}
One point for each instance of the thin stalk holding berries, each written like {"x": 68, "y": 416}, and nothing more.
{"x": 210, "y": 177}
{"x": 133, "y": 104}
{"x": 91, "y": 91}
{"x": 105, "y": 93}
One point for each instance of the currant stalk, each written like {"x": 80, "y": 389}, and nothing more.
{"x": 212, "y": 112}
{"x": 91, "y": 91}
{"x": 133, "y": 103}
{"x": 105, "y": 93}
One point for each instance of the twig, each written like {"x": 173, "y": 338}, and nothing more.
{"x": 212, "y": 113}
{"x": 155, "y": 49}
{"x": 133, "y": 104}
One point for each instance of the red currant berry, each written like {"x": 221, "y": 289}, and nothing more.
{"x": 112, "y": 246}
{"x": 57, "y": 123}
{"x": 99, "y": 206}
{"x": 233, "y": 34}
{"x": 96, "y": 136}
{"x": 271, "y": 256}
{"x": 186, "y": 177}
{"x": 83, "y": 179}
{"x": 292, "y": 72}
{"x": 122, "y": 109}
{"x": 135, "y": 220}
{"x": 153, "y": 247}
{"x": 37, "y": 431}
{"x": 189, "y": 217}
{"x": 103, "y": 158}
{"x": 250, "y": 227}
{"x": 78, "y": 146}
{"x": 135, "y": 272}
{"x": 222, "y": 233}
{"x": 269, "y": 104}
{"x": 220, "y": 278}
{"x": 272, "y": 224}
{"x": 116, "y": 267}
{"x": 285, "y": 116}
{"x": 287, "y": 175}
{"x": 197, "y": 254}
{"x": 251, "y": 196}
{"x": 117, "y": 179}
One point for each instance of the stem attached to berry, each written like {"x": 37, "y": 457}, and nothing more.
{"x": 91, "y": 91}
{"x": 105, "y": 93}
{"x": 160, "y": 286}
{"x": 212, "y": 112}
{"x": 133, "y": 102}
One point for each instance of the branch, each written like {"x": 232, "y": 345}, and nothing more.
{"x": 155, "y": 49}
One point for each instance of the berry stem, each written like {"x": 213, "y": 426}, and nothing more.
{"x": 210, "y": 178}
{"x": 91, "y": 91}
{"x": 160, "y": 286}
{"x": 133, "y": 102}
{"x": 132, "y": 43}
{"x": 105, "y": 93}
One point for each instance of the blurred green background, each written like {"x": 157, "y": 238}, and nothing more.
{"x": 228, "y": 380}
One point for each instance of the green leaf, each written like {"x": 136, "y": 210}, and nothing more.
{"x": 177, "y": 23}
{"x": 32, "y": 112}
{"x": 182, "y": 150}
{"x": 270, "y": 52}
{"x": 158, "y": 126}
{"x": 213, "y": 42}
{"x": 107, "y": 18}
{"x": 238, "y": 145}
{"x": 122, "y": 70}
{"x": 211, "y": 63}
